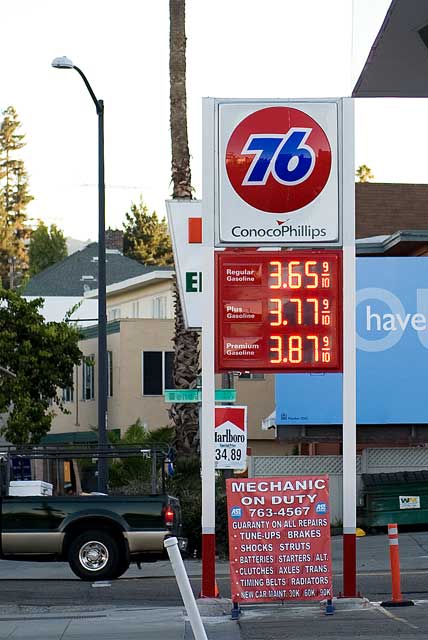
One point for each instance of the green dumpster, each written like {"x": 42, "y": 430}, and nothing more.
{"x": 400, "y": 498}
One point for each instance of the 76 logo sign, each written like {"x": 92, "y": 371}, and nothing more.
{"x": 278, "y": 159}
{"x": 286, "y": 157}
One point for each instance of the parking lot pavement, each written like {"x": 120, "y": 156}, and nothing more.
{"x": 366, "y": 622}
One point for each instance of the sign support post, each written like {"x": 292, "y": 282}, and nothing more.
{"x": 349, "y": 357}
{"x": 208, "y": 377}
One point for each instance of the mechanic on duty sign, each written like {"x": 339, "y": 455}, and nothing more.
{"x": 279, "y": 538}
{"x": 278, "y": 173}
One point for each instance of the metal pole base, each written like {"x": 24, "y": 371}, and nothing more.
{"x": 236, "y": 612}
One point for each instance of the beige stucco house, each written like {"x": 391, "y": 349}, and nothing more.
{"x": 140, "y": 329}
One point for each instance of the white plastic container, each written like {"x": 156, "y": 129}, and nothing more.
{"x": 30, "y": 488}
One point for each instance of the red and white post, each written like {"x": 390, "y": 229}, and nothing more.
{"x": 349, "y": 358}
{"x": 208, "y": 587}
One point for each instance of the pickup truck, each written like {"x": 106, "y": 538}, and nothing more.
{"x": 98, "y": 535}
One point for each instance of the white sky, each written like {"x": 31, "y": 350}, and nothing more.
{"x": 235, "y": 49}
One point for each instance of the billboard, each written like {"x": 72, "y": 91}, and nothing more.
{"x": 392, "y": 353}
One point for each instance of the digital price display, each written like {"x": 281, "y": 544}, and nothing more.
{"x": 279, "y": 311}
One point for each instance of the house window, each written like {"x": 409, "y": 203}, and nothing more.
{"x": 110, "y": 373}
{"x": 247, "y": 375}
{"x": 157, "y": 372}
{"x": 159, "y": 307}
{"x": 88, "y": 388}
{"x": 136, "y": 309}
{"x": 68, "y": 394}
{"x": 114, "y": 313}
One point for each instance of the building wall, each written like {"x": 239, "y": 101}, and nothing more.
{"x": 138, "y": 302}
{"x": 138, "y": 336}
{"x": 127, "y": 340}
{"x": 127, "y": 403}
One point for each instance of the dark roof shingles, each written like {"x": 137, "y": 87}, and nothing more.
{"x": 66, "y": 277}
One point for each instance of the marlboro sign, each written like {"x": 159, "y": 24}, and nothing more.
{"x": 230, "y": 437}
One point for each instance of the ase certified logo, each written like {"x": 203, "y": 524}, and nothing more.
{"x": 236, "y": 512}
{"x": 321, "y": 507}
{"x": 278, "y": 159}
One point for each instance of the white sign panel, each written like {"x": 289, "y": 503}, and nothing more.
{"x": 230, "y": 437}
{"x": 278, "y": 173}
{"x": 410, "y": 502}
{"x": 189, "y": 257}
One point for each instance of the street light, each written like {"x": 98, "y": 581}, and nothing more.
{"x": 65, "y": 63}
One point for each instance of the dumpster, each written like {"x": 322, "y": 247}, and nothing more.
{"x": 400, "y": 498}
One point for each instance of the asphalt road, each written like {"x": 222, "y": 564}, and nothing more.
{"x": 163, "y": 592}
{"x": 33, "y": 590}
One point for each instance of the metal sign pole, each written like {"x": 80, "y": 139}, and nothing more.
{"x": 349, "y": 356}
{"x": 208, "y": 377}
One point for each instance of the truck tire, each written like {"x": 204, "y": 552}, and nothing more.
{"x": 94, "y": 555}
{"x": 122, "y": 567}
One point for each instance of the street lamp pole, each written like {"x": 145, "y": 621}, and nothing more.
{"x": 65, "y": 63}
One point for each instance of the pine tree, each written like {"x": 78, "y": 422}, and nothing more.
{"x": 364, "y": 173}
{"x": 14, "y": 198}
{"x": 47, "y": 246}
{"x": 146, "y": 238}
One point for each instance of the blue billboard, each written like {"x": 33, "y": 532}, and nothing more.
{"x": 392, "y": 353}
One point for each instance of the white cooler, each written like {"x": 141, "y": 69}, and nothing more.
{"x": 30, "y": 488}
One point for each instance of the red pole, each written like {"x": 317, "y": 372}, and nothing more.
{"x": 349, "y": 565}
{"x": 208, "y": 589}
{"x": 394, "y": 559}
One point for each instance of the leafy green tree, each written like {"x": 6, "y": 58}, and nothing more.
{"x": 42, "y": 355}
{"x": 47, "y": 246}
{"x": 364, "y": 173}
{"x": 146, "y": 238}
{"x": 14, "y": 198}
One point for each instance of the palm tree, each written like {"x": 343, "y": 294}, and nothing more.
{"x": 186, "y": 343}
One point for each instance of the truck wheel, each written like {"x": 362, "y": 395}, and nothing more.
{"x": 122, "y": 567}
{"x": 94, "y": 555}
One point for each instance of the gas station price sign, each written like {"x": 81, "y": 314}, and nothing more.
{"x": 279, "y": 311}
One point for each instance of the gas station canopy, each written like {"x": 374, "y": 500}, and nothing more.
{"x": 397, "y": 65}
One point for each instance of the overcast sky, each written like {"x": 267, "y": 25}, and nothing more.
{"x": 235, "y": 49}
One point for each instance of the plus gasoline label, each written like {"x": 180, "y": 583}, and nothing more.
{"x": 278, "y": 159}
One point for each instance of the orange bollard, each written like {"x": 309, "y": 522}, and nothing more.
{"x": 394, "y": 559}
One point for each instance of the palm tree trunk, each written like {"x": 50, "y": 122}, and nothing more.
{"x": 186, "y": 343}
